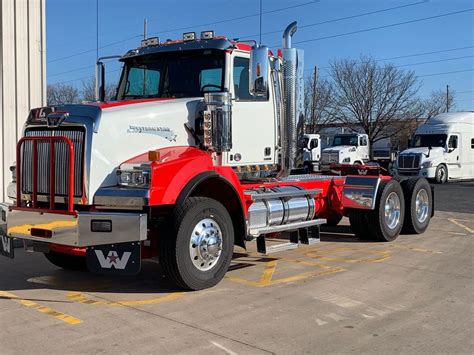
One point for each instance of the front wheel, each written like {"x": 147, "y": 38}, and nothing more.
{"x": 197, "y": 251}
{"x": 441, "y": 175}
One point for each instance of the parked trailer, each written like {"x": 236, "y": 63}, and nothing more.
{"x": 197, "y": 154}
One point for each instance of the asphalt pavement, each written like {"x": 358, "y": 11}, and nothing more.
{"x": 414, "y": 295}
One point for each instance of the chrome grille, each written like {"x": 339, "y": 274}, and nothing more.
{"x": 409, "y": 161}
{"x": 76, "y": 135}
{"x": 329, "y": 158}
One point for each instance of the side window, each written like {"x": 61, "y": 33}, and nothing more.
{"x": 314, "y": 143}
{"x": 363, "y": 141}
{"x": 142, "y": 82}
{"x": 453, "y": 142}
{"x": 210, "y": 79}
{"x": 472, "y": 143}
{"x": 241, "y": 80}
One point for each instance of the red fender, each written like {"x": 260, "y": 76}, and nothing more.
{"x": 176, "y": 167}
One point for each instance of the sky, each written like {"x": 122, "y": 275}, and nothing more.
{"x": 434, "y": 38}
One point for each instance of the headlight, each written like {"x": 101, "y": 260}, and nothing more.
{"x": 427, "y": 164}
{"x": 134, "y": 178}
{"x": 346, "y": 160}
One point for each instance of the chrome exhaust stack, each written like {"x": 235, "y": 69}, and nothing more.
{"x": 292, "y": 117}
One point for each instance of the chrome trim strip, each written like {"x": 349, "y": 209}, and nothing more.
{"x": 286, "y": 227}
{"x": 76, "y": 231}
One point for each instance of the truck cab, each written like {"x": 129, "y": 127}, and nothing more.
{"x": 312, "y": 151}
{"x": 198, "y": 153}
{"x": 442, "y": 149}
{"x": 351, "y": 148}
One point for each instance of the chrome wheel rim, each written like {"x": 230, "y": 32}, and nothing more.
{"x": 422, "y": 205}
{"x": 392, "y": 210}
{"x": 205, "y": 245}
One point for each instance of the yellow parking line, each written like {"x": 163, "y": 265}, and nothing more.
{"x": 267, "y": 276}
{"x": 452, "y": 220}
{"x": 43, "y": 309}
{"x": 414, "y": 249}
{"x": 79, "y": 297}
{"x": 324, "y": 255}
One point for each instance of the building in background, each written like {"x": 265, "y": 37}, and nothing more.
{"x": 22, "y": 74}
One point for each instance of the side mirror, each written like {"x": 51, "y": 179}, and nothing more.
{"x": 259, "y": 67}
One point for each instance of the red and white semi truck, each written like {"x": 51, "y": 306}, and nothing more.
{"x": 198, "y": 153}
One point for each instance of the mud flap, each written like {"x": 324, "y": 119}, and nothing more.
{"x": 116, "y": 259}
{"x": 6, "y": 247}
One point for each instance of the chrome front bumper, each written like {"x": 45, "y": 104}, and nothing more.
{"x": 73, "y": 230}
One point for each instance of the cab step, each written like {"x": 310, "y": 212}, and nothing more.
{"x": 307, "y": 236}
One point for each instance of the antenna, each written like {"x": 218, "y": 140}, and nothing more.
{"x": 145, "y": 28}
{"x": 260, "y": 32}
{"x": 97, "y": 50}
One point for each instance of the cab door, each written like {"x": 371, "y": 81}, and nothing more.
{"x": 253, "y": 119}
{"x": 453, "y": 159}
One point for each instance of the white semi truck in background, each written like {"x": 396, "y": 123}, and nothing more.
{"x": 442, "y": 149}
{"x": 351, "y": 148}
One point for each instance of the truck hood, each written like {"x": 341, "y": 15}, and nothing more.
{"x": 125, "y": 129}
{"x": 338, "y": 149}
{"x": 435, "y": 151}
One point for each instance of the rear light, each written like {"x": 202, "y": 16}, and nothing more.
{"x": 103, "y": 226}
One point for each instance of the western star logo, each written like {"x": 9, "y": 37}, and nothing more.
{"x": 113, "y": 260}
{"x": 6, "y": 244}
{"x": 362, "y": 171}
{"x": 164, "y": 132}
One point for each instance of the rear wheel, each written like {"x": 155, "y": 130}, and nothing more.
{"x": 359, "y": 223}
{"x": 65, "y": 261}
{"x": 197, "y": 251}
{"x": 386, "y": 221}
{"x": 418, "y": 205}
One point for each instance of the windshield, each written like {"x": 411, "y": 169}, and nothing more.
{"x": 183, "y": 74}
{"x": 345, "y": 140}
{"x": 429, "y": 140}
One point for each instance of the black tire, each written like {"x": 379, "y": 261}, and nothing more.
{"x": 333, "y": 221}
{"x": 411, "y": 188}
{"x": 359, "y": 223}
{"x": 357, "y": 162}
{"x": 441, "y": 174}
{"x": 174, "y": 252}
{"x": 65, "y": 261}
{"x": 378, "y": 226}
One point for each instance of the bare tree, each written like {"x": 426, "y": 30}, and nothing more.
{"x": 88, "y": 90}
{"x": 437, "y": 103}
{"x": 60, "y": 94}
{"x": 372, "y": 96}
{"x": 317, "y": 103}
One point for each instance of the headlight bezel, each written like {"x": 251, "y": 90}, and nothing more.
{"x": 134, "y": 177}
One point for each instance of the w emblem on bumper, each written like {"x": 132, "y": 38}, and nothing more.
{"x": 7, "y": 246}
